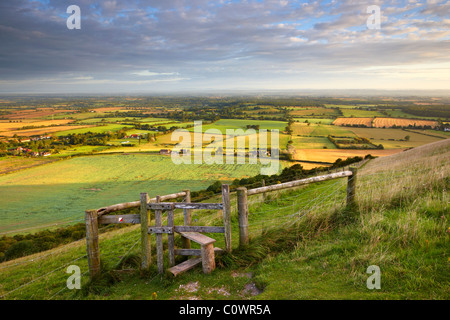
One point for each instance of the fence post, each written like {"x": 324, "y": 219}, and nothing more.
{"x": 91, "y": 220}
{"x": 263, "y": 184}
{"x": 351, "y": 187}
{"x": 243, "y": 216}
{"x": 227, "y": 216}
{"x": 187, "y": 219}
{"x": 146, "y": 252}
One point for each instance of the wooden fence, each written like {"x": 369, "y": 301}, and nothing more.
{"x": 189, "y": 233}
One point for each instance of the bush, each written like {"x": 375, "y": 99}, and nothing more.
{"x": 19, "y": 249}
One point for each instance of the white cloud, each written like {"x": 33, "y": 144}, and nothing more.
{"x": 148, "y": 73}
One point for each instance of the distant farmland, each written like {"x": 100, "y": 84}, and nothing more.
{"x": 383, "y": 122}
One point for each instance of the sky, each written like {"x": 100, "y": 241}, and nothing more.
{"x": 161, "y": 46}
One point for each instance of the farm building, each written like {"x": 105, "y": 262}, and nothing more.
{"x": 165, "y": 151}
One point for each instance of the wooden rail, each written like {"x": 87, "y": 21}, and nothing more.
{"x": 136, "y": 204}
{"x": 296, "y": 183}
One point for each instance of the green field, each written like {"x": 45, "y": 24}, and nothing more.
{"x": 63, "y": 190}
{"x": 356, "y": 113}
{"x": 312, "y": 143}
{"x": 234, "y": 124}
{"x": 98, "y": 129}
{"x": 314, "y": 120}
{"x": 392, "y": 138}
{"x": 312, "y": 111}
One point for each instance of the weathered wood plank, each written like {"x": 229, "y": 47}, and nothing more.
{"x": 159, "y": 240}
{"x": 187, "y": 218}
{"x": 194, "y": 252}
{"x": 185, "y": 266}
{"x": 180, "y": 205}
{"x": 201, "y": 229}
{"x": 203, "y": 206}
{"x": 227, "y": 216}
{"x": 161, "y": 206}
{"x": 171, "y": 239}
{"x": 160, "y": 230}
{"x": 144, "y": 218}
{"x": 126, "y": 218}
{"x": 198, "y": 237}
{"x": 136, "y": 204}
{"x": 296, "y": 183}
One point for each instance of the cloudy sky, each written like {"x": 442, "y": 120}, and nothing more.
{"x": 196, "y": 45}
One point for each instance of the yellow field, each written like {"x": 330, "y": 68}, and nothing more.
{"x": 390, "y": 122}
{"x": 39, "y": 131}
{"x": 351, "y": 121}
{"x": 331, "y": 155}
{"x": 31, "y": 113}
{"x": 5, "y": 125}
{"x": 384, "y": 122}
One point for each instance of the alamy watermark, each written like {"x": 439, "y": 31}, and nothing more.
{"x": 374, "y": 281}
{"x": 74, "y": 281}
{"x": 74, "y": 20}
{"x": 374, "y": 20}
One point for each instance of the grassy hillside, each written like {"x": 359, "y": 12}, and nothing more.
{"x": 304, "y": 244}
